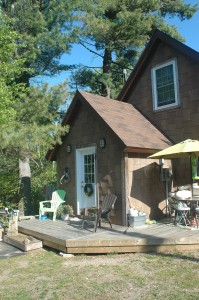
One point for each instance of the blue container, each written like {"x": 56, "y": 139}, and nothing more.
{"x": 43, "y": 218}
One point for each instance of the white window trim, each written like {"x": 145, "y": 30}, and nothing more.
{"x": 176, "y": 86}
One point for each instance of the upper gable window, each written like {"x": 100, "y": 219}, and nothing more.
{"x": 165, "y": 85}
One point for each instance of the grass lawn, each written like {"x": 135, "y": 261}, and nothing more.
{"x": 43, "y": 274}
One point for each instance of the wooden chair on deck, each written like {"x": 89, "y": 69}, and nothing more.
{"x": 100, "y": 213}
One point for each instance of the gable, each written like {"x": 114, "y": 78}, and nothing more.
{"x": 141, "y": 92}
{"x": 151, "y": 48}
{"x": 125, "y": 121}
{"x": 132, "y": 128}
{"x": 180, "y": 121}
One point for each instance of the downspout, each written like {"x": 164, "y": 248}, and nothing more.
{"x": 167, "y": 195}
{"x": 125, "y": 182}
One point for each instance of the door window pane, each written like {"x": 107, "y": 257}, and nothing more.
{"x": 89, "y": 168}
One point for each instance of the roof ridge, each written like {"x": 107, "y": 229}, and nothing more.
{"x": 104, "y": 98}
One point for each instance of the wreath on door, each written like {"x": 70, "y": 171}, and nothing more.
{"x": 88, "y": 189}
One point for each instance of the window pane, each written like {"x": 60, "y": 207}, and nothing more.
{"x": 89, "y": 168}
{"x": 165, "y": 86}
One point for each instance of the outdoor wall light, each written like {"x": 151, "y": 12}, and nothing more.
{"x": 102, "y": 143}
{"x": 68, "y": 148}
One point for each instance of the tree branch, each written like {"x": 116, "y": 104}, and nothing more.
{"x": 92, "y": 51}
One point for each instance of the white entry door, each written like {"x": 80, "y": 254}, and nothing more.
{"x": 86, "y": 176}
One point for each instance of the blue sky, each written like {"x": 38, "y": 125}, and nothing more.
{"x": 189, "y": 29}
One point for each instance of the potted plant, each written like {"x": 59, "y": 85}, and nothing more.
{"x": 67, "y": 211}
{"x": 4, "y": 222}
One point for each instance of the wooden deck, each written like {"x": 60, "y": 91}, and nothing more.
{"x": 68, "y": 237}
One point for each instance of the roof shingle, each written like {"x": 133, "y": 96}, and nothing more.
{"x": 133, "y": 129}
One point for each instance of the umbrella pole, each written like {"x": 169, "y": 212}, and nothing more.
{"x": 167, "y": 193}
{"x": 193, "y": 163}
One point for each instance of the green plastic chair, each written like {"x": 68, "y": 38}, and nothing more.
{"x": 57, "y": 199}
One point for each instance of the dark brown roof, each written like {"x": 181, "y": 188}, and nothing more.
{"x": 133, "y": 129}
{"x": 146, "y": 55}
{"x": 136, "y": 132}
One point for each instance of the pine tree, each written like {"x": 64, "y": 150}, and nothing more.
{"x": 42, "y": 29}
{"x": 45, "y": 29}
{"x": 10, "y": 68}
{"x": 116, "y": 31}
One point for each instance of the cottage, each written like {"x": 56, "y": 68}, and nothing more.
{"x": 109, "y": 141}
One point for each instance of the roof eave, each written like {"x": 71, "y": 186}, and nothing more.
{"x": 131, "y": 149}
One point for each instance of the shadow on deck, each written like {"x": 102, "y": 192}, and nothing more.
{"x": 70, "y": 238}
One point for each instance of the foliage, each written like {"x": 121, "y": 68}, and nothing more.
{"x": 9, "y": 182}
{"x": 45, "y": 30}
{"x": 65, "y": 209}
{"x": 37, "y": 34}
{"x": 31, "y": 133}
{"x": 11, "y": 67}
{"x": 43, "y": 174}
{"x": 68, "y": 209}
{"x": 37, "y": 121}
{"x": 116, "y": 32}
{"x": 4, "y": 221}
{"x": 6, "y": 218}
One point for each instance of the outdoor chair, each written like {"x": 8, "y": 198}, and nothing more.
{"x": 182, "y": 211}
{"x": 53, "y": 204}
{"x": 195, "y": 215}
{"x": 97, "y": 214}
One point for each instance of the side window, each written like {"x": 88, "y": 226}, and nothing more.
{"x": 165, "y": 85}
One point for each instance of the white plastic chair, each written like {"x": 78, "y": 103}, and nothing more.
{"x": 57, "y": 199}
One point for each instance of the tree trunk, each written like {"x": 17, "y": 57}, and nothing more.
{"x": 25, "y": 186}
{"x": 107, "y": 59}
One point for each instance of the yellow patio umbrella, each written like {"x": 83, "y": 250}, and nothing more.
{"x": 188, "y": 148}
{"x": 182, "y": 149}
